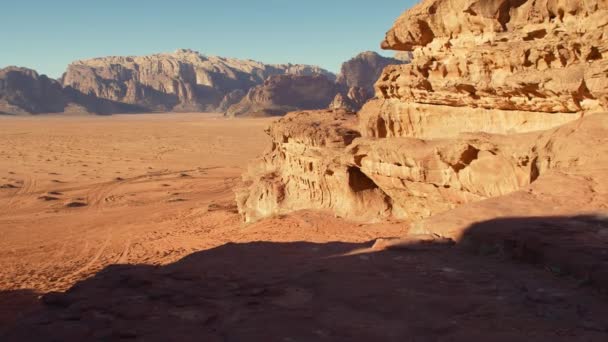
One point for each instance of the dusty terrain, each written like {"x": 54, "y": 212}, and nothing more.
{"x": 157, "y": 251}
{"x": 82, "y": 193}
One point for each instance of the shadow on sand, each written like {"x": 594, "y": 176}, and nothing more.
{"x": 344, "y": 292}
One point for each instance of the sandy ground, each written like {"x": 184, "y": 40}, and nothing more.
{"x": 81, "y": 193}
{"x": 125, "y": 227}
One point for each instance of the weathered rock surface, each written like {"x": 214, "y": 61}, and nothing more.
{"x": 531, "y": 63}
{"x": 363, "y": 70}
{"x": 357, "y": 78}
{"x": 24, "y": 91}
{"x": 351, "y": 100}
{"x": 231, "y": 99}
{"x": 305, "y": 168}
{"x": 501, "y": 98}
{"x": 284, "y": 93}
{"x": 182, "y": 81}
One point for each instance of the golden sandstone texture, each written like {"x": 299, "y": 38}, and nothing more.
{"x": 500, "y": 112}
{"x": 181, "y": 81}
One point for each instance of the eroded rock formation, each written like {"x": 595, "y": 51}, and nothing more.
{"x": 500, "y": 98}
{"x": 180, "y": 81}
{"x": 284, "y": 93}
{"x": 24, "y": 91}
{"x": 493, "y": 66}
{"x": 357, "y": 78}
{"x": 307, "y": 168}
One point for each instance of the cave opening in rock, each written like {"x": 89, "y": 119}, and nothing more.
{"x": 467, "y": 157}
{"x": 358, "y": 181}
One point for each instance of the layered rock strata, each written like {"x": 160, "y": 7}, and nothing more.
{"x": 500, "y": 97}
{"x": 306, "y": 168}
{"x": 357, "y": 78}
{"x": 182, "y": 81}
{"x": 492, "y": 66}
{"x": 281, "y": 94}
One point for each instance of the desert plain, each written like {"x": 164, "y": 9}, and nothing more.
{"x": 79, "y": 193}
{"x": 126, "y": 227}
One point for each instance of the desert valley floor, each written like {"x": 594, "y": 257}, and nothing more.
{"x": 135, "y": 217}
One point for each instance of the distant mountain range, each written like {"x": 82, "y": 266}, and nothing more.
{"x": 189, "y": 81}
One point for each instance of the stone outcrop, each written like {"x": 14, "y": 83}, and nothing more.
{"x": 493, "y": 66}
{"x": 24, "y": 91}
{"x": 284, "y": 93}
{"x": 357, "y": 78}
{"x": 500, "y": 98}
{"x": 189, "y": 81}
{"x": 363, "y": 70}
{"x": 306, "y": 168}
{"x": 182, "y": 81}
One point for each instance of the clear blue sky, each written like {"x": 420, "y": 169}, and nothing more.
{"x": 47, "y": 35}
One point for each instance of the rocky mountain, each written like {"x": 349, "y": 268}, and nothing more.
{"x": 500, "y": 113}
{"x": 363, "y": 70}
{"x": 357, "y": 78}
{"x": 353, "y": 87}
{"x": 285, "y": 93}
{"x": 24, "y": 91}
{"x": 189, "y": 81}
{"x": 182, "y": 81}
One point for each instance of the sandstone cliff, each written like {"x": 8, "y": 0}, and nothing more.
{"x": 182, "y": 81}
{"x": 363, "y": 70}
{"x": 357, "y": 78}
{"x": 24, "y": 91}
{"x": 493, "y": 66}
{"x": 284, "y": 93}
{"x": 281, "y": 94}
{"x": 501, "y": 98}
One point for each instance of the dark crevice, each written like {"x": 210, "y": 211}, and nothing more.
{"x": 358, "y": 181}
{"x": 504, "y": 12}
{"x": 538, "y": 34}
{"x": 581, "y": 94}
{"x": 426, "y": 34}
{"x": 594, "y": 54}
{"x": 359, "y": 158}
{"x": 467, "y": 157}
{"x": 469, "y": 89}
{"x": 534, "y": 171}
{"x": 382, "y": 131}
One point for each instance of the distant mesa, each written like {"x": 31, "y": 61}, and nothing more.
{"x": 24, "y": 91}
{"x": 188, "y": 81}
{"x": 282, "y": 94}
{"x": 357, "y": 78}
{"x": 285, "y": 93}
{"x": 181, "y": 81}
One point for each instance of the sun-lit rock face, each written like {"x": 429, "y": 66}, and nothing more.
{"x": 306, "y": 168}
{"x": 182, "y": 81}
{"x": 281, "y": 94}
{"x": 503, "y": 64}
{"x": 499, "y": 96}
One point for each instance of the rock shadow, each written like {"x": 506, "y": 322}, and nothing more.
{"x": 304, "y": 291}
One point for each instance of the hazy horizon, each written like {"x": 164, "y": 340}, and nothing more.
{"x": 47, "y": 36}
